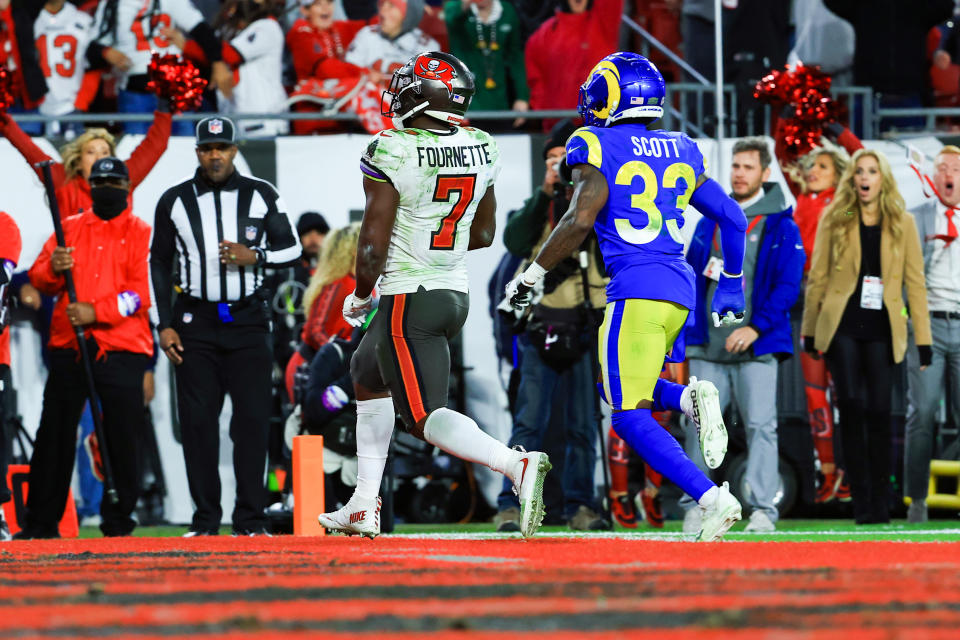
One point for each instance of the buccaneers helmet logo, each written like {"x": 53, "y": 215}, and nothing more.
{"x": 433, "y": 69}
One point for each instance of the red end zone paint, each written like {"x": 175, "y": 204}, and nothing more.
{"x": 287, "y": 587}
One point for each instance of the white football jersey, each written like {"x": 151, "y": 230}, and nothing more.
{"x": 62, "y": 40}
{"x": 139, "y": 23}
{"x": 369, "y": 49}
{"x": 441, "y": 179}
{"x": 259, "y": 88}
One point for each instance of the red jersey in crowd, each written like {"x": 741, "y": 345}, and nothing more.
{"x": 564, "y": 49}
{"x": 111, "y": 272}
{"x": 325, "y": 317}
{"x": 9, "y": 252}
{"x": 73, "y": 194}
{"x": 319, "y": 53}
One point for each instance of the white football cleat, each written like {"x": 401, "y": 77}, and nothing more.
{"x": 360, "y": 516}
{"x": 717, "y": 519}
{"x": 702, "y": 405}
{"x": 528, "y": 475}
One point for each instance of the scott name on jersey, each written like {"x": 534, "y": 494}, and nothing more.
{"x": 654, "y": 147}
{"x": 459, "y": 156}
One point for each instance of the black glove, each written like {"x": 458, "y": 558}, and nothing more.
{"x": 833, "y": 130}
{"x": 809, "y": 346}
{"x": 926, "y": 354}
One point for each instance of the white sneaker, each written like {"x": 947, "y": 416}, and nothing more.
{"x": 360, "y": 516}
{"x": 760, "y": 522}
{"x": 528, "y": 474}
{"x": 702, "y": 405}
{"x": 691, "y": 521}
{"x": 717, "y": 519}
{"x": 4, "y": 529}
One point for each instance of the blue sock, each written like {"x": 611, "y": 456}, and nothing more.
{"x": 666, "y": 395}
{"x": 660, "y": 450}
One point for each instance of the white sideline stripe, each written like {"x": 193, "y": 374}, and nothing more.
{"x": 677, "y": 535}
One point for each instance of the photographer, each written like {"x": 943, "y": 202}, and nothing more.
{"x": 556, "y": 348}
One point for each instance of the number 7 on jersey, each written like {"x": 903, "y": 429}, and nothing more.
{"x": 445, "y": 237}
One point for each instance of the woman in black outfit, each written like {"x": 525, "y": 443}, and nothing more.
{"x": 867, "y": 252}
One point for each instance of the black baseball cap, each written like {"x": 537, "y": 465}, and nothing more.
{"x": 109, "y": 167}
{"x": 312, "y": 221}
{"x": 215, "y": 129}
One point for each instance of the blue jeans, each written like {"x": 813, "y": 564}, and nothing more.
{"x": 539, "y": 387}
{"x": 137, "y": 102}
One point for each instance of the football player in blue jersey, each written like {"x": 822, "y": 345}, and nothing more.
{"x": 631, "y": 185}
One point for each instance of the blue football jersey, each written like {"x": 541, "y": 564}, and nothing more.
{"x": 651, "y": 176}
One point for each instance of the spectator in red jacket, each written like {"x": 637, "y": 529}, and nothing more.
{"x": 814, "y": 184}
{"x": 330, "y": 284}
{"x": 18, "y": 55}
{"x": 561, "y": 53}
{"x": 9, "y": 257}
{"x": 106, "y": 251}
{"x": 70, "y": 176}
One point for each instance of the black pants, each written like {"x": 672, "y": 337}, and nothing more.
{"x": 219, "y": 358}
{"x": 863, "y": 376}
{"x": 6, "y": 431}
{"x": 118, "y": 377}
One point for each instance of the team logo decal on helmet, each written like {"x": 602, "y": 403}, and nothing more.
{"x": 432, "y": 83}
{"x": 622, "y": 85}
{"x": 434, "y": 69}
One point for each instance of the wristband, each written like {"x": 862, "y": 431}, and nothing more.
{"x": 731, "y": 275}
{"x": 533, "y": 274}
{"x": 261, "y": 255}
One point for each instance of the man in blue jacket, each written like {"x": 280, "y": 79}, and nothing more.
{"x": 744, "y": 358}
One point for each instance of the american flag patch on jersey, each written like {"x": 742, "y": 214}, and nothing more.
{"x": 458, "y": 99}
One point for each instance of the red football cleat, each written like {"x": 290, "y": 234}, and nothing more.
{"x": 622, "y": 509}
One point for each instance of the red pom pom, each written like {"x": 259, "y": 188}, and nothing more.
{"x": 6, "y": 88}
{"x": 807, "y": 90}
{"x": 176, "y": 79}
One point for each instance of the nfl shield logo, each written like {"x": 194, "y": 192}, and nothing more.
{"x": 250, "y": 232}
{"x": 216, "y": 126}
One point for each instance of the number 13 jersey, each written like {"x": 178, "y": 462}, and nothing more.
{"x": 441, "y": 178}
{"x": 651, "y": 176}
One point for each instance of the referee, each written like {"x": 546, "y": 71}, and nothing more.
{"x": 217, "y": 231}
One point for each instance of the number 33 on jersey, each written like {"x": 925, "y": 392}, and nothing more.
{"x": 651, "y": 176}
{"x": 441, "y": 178}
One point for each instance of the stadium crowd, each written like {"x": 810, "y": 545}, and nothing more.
{"x": 329, "y": 56}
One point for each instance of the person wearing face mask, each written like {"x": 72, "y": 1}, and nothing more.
{"x": 70, "y": 177}
{"x": 106, "y": 250}
{"x": 937, "y": 226}
{"x": 866, "y": 254}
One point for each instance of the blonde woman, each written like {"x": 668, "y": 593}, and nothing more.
{"x": 866, "y": 251}
{"x": 323, "y": 300}
{"x": 70, "y": 176}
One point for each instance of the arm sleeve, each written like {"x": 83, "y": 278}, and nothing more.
{"x": 849, "y": 141}
{"x": 162, "y": 249}
{"x": 134, "y": 293}
{"x": 606, "y": 13}
{"x": 30, "y": 151}
{"x": 148, "y": 152}
{"x": 283, "y": 243}
{"x": 88, "y": 90}
{"x": 915, "y": 281}
{"x": 711, "y": 200}
{"x": 525, "y": 226}
{"x": 259, "y": 39}
{"x": 41, "y": 273}
{"x": 789, "y": 268}
{"x": 10, "y": 241}
{"x": 817, "y": 278}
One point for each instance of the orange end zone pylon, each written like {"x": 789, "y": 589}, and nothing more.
{"x": 308, "y": 498}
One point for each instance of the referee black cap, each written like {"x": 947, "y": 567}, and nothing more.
{"x": 109, "y": 167}
{"x": 215, "y": 129}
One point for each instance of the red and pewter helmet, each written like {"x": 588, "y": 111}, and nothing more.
{"x": 434, "y": 83}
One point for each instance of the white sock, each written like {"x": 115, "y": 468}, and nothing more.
{"x": 375, "y": 420}
{"x": 709, "y": 498}
{"x": 457, "y": 434}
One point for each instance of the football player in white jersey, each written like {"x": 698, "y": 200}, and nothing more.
{"x": 127, "y": 32}
{"x": 430, "y": 199}
{"x": 62, "y": 33}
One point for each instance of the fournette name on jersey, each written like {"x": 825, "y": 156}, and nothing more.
{"x": 459, "y": 156}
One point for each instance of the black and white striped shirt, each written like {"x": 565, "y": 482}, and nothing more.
{"x": 193, "y": 217}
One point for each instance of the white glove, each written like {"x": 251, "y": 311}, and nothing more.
{"x": 355, "y": 309}
{"x": 518, "y": 293}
